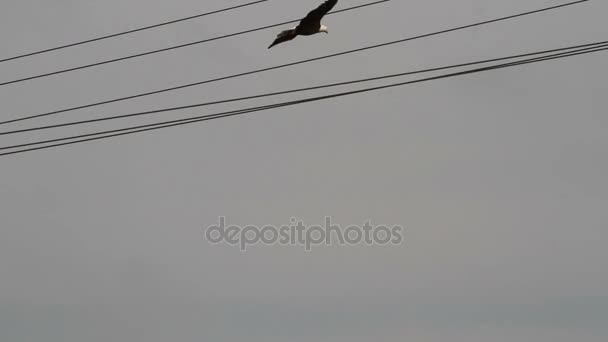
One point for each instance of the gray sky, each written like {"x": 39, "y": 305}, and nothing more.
{"x": 498, "y": 177}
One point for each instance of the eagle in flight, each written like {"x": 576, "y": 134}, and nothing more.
{"x": 308, "y": 26}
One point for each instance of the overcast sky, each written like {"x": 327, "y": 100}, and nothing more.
{"x": 499, "y": 179}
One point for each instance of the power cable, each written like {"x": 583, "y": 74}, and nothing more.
{"x": 291, "y": 64}
{"x": 408, "y": 73}
{"x": 150, "y": 127}
{"x": 61, "y": 47}
{"x": 109, "y": 61}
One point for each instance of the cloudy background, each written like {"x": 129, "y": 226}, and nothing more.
{"x": 500, "y": 179}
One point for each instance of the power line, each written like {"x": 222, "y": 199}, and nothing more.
{"x": 291, "y": 91}
{"x": 261, "y": 108}
{"x": 150, "y": 127}
{"x": 292, "y": 63}
{"x": 61, "y": 47}
{"x": 59, "y": 72}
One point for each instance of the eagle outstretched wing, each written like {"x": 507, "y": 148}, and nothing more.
{"x": 315, "y": 16}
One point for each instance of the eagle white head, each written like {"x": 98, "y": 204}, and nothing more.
{"x": 324, "y": 29}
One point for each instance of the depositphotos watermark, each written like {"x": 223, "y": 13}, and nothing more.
{"x": 299, "y": 234}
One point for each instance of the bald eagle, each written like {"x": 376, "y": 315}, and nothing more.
{"x": 308, "y": 26}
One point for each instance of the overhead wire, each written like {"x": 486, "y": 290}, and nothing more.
{"x": 123, "y": 33}
{"x": 297, "y": 90}
{"x": 152, "y": 52}
{"x": 120, "y": 99}
{"x": 173, "y": 123}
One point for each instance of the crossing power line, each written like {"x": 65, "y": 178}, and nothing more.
{"x": 170, "y": 89}
{"x": 92, "y": 40}
{"x": 148, "y": 53}
{"x": 588, "y": 46}
{"x": 144, "y": 128}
